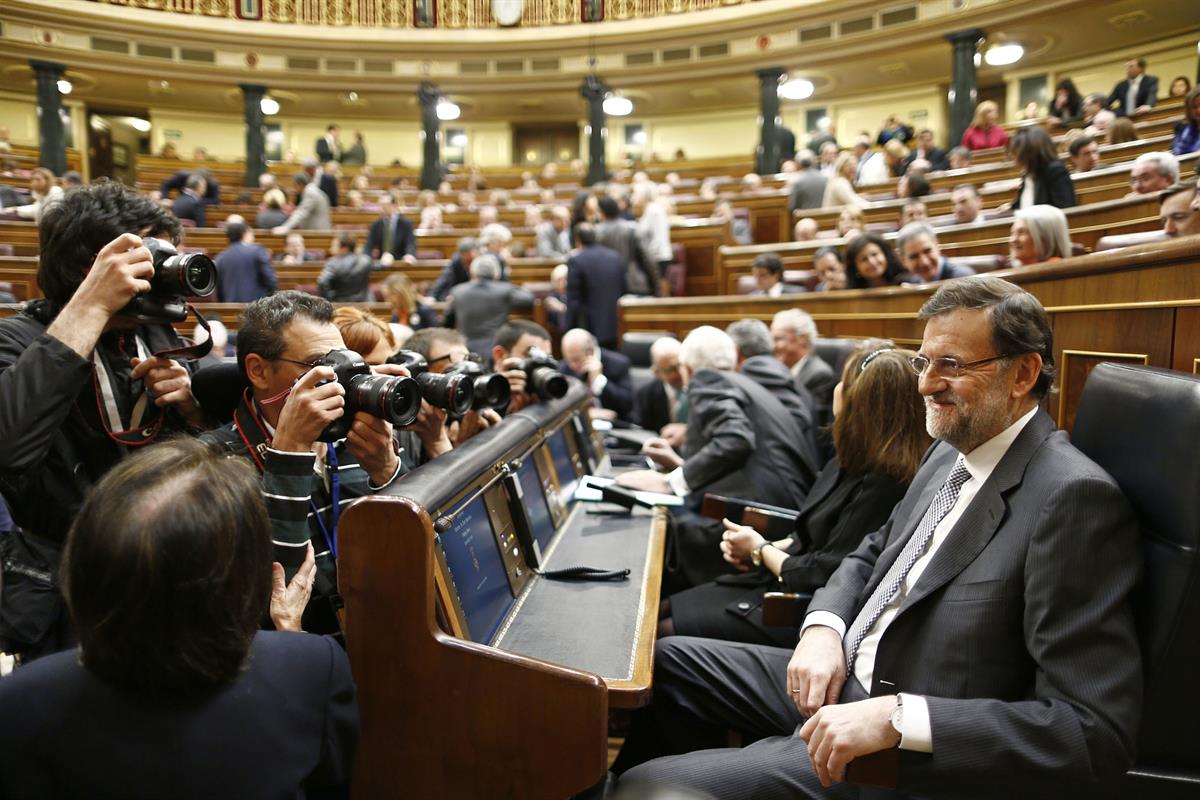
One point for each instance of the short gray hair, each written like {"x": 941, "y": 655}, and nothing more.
{"x": 494, "y": 232}
{"x": 799, "y": 322}
{"x": 1166, "y": 164}
{"x": 911, "y": 231}
{"x": 1049, "y": 229}
{"x": 1019, "y": 322}
{"x": 485, "y": 267}
{"x": 708, "y": 348}
{"x": 751, "y": 336}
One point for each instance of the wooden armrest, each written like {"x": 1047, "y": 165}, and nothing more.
{"x": 881, "y": 769}
{"x": 784, "y": 609}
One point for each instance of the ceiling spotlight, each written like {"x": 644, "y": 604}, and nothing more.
{"x": 139, "y": 124}
{"x": 617, "y": 106}
{"x": 1002, "y": 55}
{"x": 269, "y": 106}
{"x": 64, "y": 86}
{"x": 796, "y": 89}
{"x": 448, "y": 110}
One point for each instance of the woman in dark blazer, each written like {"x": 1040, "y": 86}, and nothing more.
{"x": 876, "y": 402}
{"x": 1045, "y": 180}
{"x": 174, "y": 691}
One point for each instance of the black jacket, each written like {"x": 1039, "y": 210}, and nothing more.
{"x": 770, "y": 373}
{"x": 212, "y": 195}
{"x": 452, "y": 275}
{"x": 404, "y": 240}
{"x": 618, "y": 389}
{"x": 1147, "y": 95}
{"x": 188, "y": 207}
{"x": 329, "y": 186}
{"x": 595, "y": 282}
{"x": 651, "y": 409}
{"x": 1053, "y": 187}
{"x": 287, "y": 723}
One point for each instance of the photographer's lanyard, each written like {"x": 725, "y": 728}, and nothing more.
{"x": 134, "y": 433}
{"x": 335, "y": 510}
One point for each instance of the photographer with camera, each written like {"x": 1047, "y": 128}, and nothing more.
{"x": 293, "y": 423}
{"x": 521, "y": 353}
{"x": 87, "y": 374}
{"x": 444, "y": 350}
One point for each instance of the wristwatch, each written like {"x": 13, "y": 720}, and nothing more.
{"x": 898, "y": 717}
{"x": 756, "y": 554}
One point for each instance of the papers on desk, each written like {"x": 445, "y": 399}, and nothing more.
{"x": 588, "y": 491}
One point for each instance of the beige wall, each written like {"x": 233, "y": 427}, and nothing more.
{"x": 19, "y": 115}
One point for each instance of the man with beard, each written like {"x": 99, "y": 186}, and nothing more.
{"x": 984, "y": 635}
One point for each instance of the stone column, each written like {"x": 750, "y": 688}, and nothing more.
{"x": 962, "y": 96}
{"x": 768, "y": 142}
{"x": 431, "y": 133}
{"x": 256, "y": 137}
{"x": 593, "y": 90}
{"x": 52, "y": 145}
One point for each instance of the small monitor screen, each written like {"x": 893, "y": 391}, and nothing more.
{"x": 480, "y": 579}
{"x": 564, "y": 467}
{"x": 534, "y": 492}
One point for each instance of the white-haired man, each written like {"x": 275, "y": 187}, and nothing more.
{"x": 917, "y": 246}
{"x": 1153, "y": 173}
{"x": 661, "y": 405}
{"x": 793, "y": 335}
{"x": 480, "y": 306}
{"x": 741, "y": 442}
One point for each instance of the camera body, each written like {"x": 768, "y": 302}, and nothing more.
{"x": 542, "y": 375}
{"x": 491, "y": 388}
{"x": 390, "y": 397}
{"x": 176, "y": 278}
{"x": 453, "y": 393}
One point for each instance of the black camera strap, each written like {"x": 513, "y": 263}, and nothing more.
{"x": 191, "y": 352}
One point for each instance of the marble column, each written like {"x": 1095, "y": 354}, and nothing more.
{"x": 962, "y": 96}
{"x": 256, "y": 137}
{"x": 52, "y": 145}
{"x": 768, "y": 142}
{"x": 431, "y": 134}
{"x": 593, "y": 90}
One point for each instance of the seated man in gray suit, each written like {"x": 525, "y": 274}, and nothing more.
{"x": 767, "y": 269}
{"x": 793, "y": 334}
{"x": 983, "y": 637}
{"x": 917, "y": 246}
{"x": 480, "y": 306}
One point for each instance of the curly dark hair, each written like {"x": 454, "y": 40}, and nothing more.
{"x": 77, "y": 227}
{"x": 895, "y": 273}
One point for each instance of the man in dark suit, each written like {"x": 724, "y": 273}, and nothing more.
{"x": 211, "y": 194}
{"x": 926, "y": 150}
{"x": 615, "y": 233}
{"x": 793, "y": 334}
{"x": 244, "y": 272}
{"x": 767, "y": 269}
{"x": 329, "y": 146}
{"x": 346, "y": 276}
{"x": 457, "y": 270}
{"x": 984, "y": 636}
{"x": 190, "y": 202}
{"x": 595, "y": 282}
{"x": 917, "y": 246}
{"x": 605, "y": 372}
{"x": 391, "y": 236}
{"x": 327, "y": 180}
{"x": 480, "y": 306}
{"x": 661, "y": 405}
{"x": 1137, "y": 93}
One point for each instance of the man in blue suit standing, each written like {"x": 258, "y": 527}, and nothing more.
{"x": 244, "y": 272}
{"x": 595, "y": 282}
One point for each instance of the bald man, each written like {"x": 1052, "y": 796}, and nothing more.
{"x": 604, "y": 372}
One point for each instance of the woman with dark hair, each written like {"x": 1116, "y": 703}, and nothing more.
{"x": 879, "y": 438}
{"x": 1187, "y": 133}
{"x": 1067, "y": 106}
{"x": 1180, "y": 86}
{"x": 1044, "y": 178}
{"x": 174, "y": 691}
{"x": 871, "y": 262}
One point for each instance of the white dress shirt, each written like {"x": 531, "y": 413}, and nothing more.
{"x": 1131, "y": 96}
{"x": 980, "y": 463}
{"x": 1029, "y": 192}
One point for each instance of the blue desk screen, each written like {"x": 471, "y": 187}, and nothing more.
{"x": 479, "y": 575}
{"x": 563, "y": 466}
{"x": 535, "y": 503}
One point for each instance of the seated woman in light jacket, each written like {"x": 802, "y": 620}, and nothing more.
{"x": 45, "y": 189}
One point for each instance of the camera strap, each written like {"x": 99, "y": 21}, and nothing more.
{"x": 131, "y": 432}
{"x": 335, "y": 494}
{"x": 191, "y": 352}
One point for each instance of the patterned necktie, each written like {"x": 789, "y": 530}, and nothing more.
{"x": 885, "y": 592}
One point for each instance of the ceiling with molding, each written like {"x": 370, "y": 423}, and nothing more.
{"x": 701, "y": 60}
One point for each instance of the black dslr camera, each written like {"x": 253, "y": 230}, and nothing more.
{"x": 176, "y": 278}
{"x": 390, "y": 397}
{"x": 542, "y": 375}
{"x": 454, "y": 393}
{"x": 491, "y": 388}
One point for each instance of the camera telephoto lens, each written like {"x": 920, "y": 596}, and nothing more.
{"x": 491, "y": 389}
{"x": 389, "y": 397}
{"x": 454, "y": 393}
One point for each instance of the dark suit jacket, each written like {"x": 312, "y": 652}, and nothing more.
{"x": 1020, "y": 633}
{"x": 788, "y": 288}
{"x": 212, "y": 195}
{"x": 404, "y": 240}
{"x": 742, "y": 442}
{"x": 817, "y": 378}
{"x": 936, "y": 157}
{"x": 1147, "y": 95}
{"x": 287, "y": 723}
{"x": 1053, "y": 187}
{"x": 595, "y": 282}
{"x": 324, "y": 152}
{"x": 244, "y": 274}
{"x": 618, "y": 391}
{"x": 188, "y": 207}
{"x": 478, "y": 309}
{"x": 347, "y": 278}
{"x": 452, "y": 275}
{"x": 651, "y": 409}
{"x": 770, "y": 373}
{"x": 329, "y": 186}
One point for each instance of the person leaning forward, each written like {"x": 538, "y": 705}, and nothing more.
{"x": 986, "y": 630}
